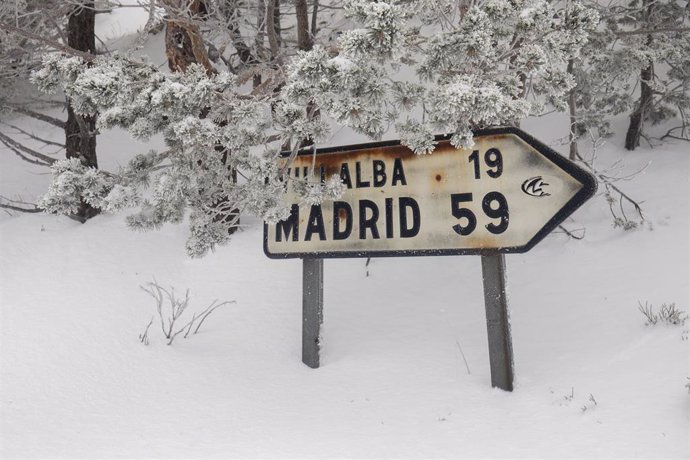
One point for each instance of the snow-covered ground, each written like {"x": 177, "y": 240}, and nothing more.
{"x": 591, "y": 379}
{"x": 76, "y": 381}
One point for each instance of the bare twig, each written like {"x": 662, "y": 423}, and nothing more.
{"x": 190, "y": 324}
{"x": 205, "y": 314}
{"x": 144, "y": 336}
{"x": 467, "y": 366}
{"x": 648, "y": 313}
{"x": 571, "y": 234}
{"x": 169, "y": 318}
{"x": 610, "y": 186}
{"x": 150, "y": 22}
{"x": 669, "y": 135}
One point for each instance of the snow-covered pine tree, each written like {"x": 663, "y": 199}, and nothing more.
{"x": 636, "y": 62}
{"x": 195, "y": 112}
{"x": 80, "y": 129}
{"x": 656, "y": 34}
{"x": 604, "y": 82}
{"x": 425, "y": 66}
{"x": 476, "y": 64}
{"x": 18, "y": 55}
{"x": 42, "y": 25}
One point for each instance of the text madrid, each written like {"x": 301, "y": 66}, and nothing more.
{"x": 371, "y": 219}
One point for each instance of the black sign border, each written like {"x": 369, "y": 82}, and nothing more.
{"x": 586, "y": 192}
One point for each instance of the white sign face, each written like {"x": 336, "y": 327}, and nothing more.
{"x": 502, "y": 195}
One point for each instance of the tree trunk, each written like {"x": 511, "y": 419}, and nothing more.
{"x": 314, "y": 22}
{"x": 183, "y": 42}
{"x": 247, "y": 58}
{"x": 260, "y": 35}
{"x": 304, "y": 38}
{"x": 273, "y": 28}
{"x": 80, "y": 131}
{"x": 305, "y": 42}
{"x": 572, "y": 110}
{"x": 632, "y": 137}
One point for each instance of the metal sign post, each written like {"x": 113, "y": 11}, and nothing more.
{"x": 498, "y": 321}
{"x": 501, "y": 196}
{"x": 312, "y": 310}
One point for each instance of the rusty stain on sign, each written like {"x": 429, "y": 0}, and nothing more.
{"x": 502, "y": 195}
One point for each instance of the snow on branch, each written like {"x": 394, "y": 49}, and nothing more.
{"x": 493, "y": 64}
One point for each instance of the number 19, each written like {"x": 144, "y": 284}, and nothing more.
{"x": 492, "y": 158}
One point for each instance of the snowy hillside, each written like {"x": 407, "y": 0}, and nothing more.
{"x": 405, "y": 367}
{"x": 76, "y": 382}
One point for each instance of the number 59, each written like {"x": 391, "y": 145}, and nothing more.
{"x": 494, "y": 206}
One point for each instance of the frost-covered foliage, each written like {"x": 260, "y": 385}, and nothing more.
{"x": 71, "y": 182}
{"x": 481, "y": 64}
{"x": 475, "y": 64}
{"x": 634, "y": 36}
{"x": 211, "y": 130}
{"x": 19, "y": 56}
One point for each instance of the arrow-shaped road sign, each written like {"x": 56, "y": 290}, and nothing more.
{"x": 503, "y": 195}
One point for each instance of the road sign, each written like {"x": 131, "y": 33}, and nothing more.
{"x": 503, "y": 195}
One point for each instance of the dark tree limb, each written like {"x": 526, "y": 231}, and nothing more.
{"x": 21, "y": 150}
{"x": 304, "y": 38}
{"x": 572, "y": 111}
{"x": 669, "y": 134}
{"x": 244, "y": 52}
{"x": 23, "y": 157}
{"x": 660, "y": 30}
{"x": 272, "y": 28}
{"x": 38, "y": 116}
{"x": 33, "y": 136}
{"x": 632, "y": 136}
{"x": 88, "y": 57}
{"x": 314, "y": 22}
{"x": 12, "y": 205}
